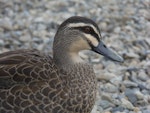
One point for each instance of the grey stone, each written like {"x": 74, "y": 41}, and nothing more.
{"x": 105, "y": 104}
{"x": 146, "y": 111}
{"x": 128, "y": 83}
{"x": 142, "y": 75}
{"x": 105, "y": 76}
{"x": 119, "y": 108}
{"x": 126, "y": 104}
{"x": 130, "y": 93}
{"x": 139, "y": 95}
{"x": 110, "y": 88}
{"x": 1, "y": 42}
{"x": 25, "y": 38}
{"x": 6, "y": 23}
{"x": 116, "y": 80}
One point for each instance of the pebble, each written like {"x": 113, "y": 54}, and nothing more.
{"x": 105, "y": 104}
{"x": 6, "y": 23}
{"x": 142, "y": 75}
{"x": 147, "y": 39}
{"x": 130, "y": 93}
{"x": 117, "y": 30}
{"x": 25, "y": 38}
{"x": 128, "y": 83}
{"x": 116, "y": 109}
{"x": 110, "y": 88}
{"x": 131, "y": 55}
{"x": 146, "y": 111}
{"x": 127, "y": 104}
{"x": 116, "y": 80}
{"x": 139, "y": 95}
{"x": 106, "y": 96}
{"x": 105, "y": 76}
{"x": 1, "y": 42}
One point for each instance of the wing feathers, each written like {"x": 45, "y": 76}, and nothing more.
{"x": 22, "y": 66}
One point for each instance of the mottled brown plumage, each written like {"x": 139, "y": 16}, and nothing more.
{"x": 33, "y": 82}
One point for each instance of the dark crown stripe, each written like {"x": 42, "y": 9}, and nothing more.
{"x": 78, "y": 19}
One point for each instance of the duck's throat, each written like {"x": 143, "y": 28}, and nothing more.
{"x": 67, "y": 59}
{"x": 75, "y": 58}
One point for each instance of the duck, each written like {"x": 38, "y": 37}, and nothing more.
{"x": 34, "y": 82}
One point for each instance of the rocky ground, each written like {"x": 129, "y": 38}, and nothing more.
{"x": 125, "y": 27}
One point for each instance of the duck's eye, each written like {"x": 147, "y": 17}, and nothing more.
{"x": 87, "y": 29}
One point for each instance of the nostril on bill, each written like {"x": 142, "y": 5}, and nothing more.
{"x": 105, "y": 46}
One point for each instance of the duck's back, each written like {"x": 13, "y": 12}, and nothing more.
{"x": 24, "y": 66}
{"x": 30, "y": 82}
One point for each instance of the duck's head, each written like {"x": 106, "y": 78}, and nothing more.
{"x": 76, "y": 34}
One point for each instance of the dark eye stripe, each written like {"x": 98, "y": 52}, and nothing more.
{"x": 91, "y": 32}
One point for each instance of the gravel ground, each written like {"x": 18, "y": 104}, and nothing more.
{"x": 125, "y": 26}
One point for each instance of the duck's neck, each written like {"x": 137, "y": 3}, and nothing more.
{"x": 65, "y": 51}
{"x": 65, "y": 59}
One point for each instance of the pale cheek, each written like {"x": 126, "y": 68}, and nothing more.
{"x": 92, "y": 40}
{"x": 82, "y": 44}
{"x": 79, "y": 45}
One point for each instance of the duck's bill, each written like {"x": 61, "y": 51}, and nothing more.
{"x": 107, "y": 52}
